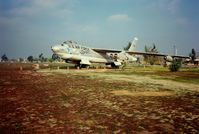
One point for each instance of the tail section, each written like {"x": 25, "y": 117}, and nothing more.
{"x": 132, "y": 44}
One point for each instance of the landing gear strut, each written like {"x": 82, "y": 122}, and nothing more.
{"x": 79, "y": 66}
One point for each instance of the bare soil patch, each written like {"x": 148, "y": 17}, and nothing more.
{"x": 70, "y": 102}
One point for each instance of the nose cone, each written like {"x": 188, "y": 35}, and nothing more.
{"x": 55, "y": 48}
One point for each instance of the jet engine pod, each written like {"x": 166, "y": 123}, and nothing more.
{"x": 113, "y": 55}
{"x": 168, "y": 58}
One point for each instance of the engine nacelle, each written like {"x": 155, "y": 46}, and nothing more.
{"x": 113, "y": 56}
{"x": 168, "y": 58}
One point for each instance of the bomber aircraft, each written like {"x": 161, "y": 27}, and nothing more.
{"x": 82, "y": 56}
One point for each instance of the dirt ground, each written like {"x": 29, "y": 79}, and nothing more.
{"x": 96, "y": 101}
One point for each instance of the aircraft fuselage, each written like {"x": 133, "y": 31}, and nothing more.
{"x": 71, "y": 51}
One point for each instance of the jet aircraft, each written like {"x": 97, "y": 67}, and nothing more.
{"x": 82, "y": 56}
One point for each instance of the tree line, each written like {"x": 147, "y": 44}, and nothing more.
{"x": 40, "y": 58}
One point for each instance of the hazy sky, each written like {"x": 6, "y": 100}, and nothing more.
{"x": 31, "y": 27}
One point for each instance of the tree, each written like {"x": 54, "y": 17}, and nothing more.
{"x": 175, "y": 65}
{"x": 41, "y": 57}
{"x": 30, "y": 58}
{"x": 193, "y": 55}
{"x": 4, "y": 57}
{"x": 20, "y": 59}
{"x": 128, "y": 46}
{"x": 151, "y": 58}
{"x": 55, "y": 57}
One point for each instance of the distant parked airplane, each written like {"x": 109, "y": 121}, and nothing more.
{"x": 83, "y": 56}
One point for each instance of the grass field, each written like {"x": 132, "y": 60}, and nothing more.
{"x": 134, "y": 100}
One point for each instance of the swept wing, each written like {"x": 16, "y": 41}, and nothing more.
{"x": 156, "y": 54}
{"x": 101, "y": 50}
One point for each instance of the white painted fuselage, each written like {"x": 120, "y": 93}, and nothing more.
{"x": 70, "y": 51}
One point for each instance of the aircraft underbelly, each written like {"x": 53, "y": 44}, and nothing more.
{"x": 85, "y": 59}
{"x": 85, "y": 62}
{"x": 99, "y": 60}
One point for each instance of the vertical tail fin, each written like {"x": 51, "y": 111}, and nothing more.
{"x": 132, "y": 44}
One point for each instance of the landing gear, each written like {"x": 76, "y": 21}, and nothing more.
{"x": 79, "y": 66}
{"x": 114, "y": 66}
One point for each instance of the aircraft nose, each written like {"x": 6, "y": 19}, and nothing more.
{"x": 54, "y": 48}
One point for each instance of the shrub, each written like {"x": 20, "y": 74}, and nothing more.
{"x": 30, "y": 58}
{"x": 175, "y": 65}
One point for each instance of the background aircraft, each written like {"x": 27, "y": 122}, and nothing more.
{"x": 83, "y": 56}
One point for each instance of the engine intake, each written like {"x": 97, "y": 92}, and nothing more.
{"x": 168, "y": 58}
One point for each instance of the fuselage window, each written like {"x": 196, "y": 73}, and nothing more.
{"x": 69, "y": 45}
{"x": 76, "y": 46}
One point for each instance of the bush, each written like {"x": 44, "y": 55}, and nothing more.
{"x": 30, "y": 58}
{"x": 175, "y": 65}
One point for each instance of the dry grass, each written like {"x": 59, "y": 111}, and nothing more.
{"x": 146, "y": 93}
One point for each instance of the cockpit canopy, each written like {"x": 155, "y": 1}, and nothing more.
{"x": 69, "y": 42}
